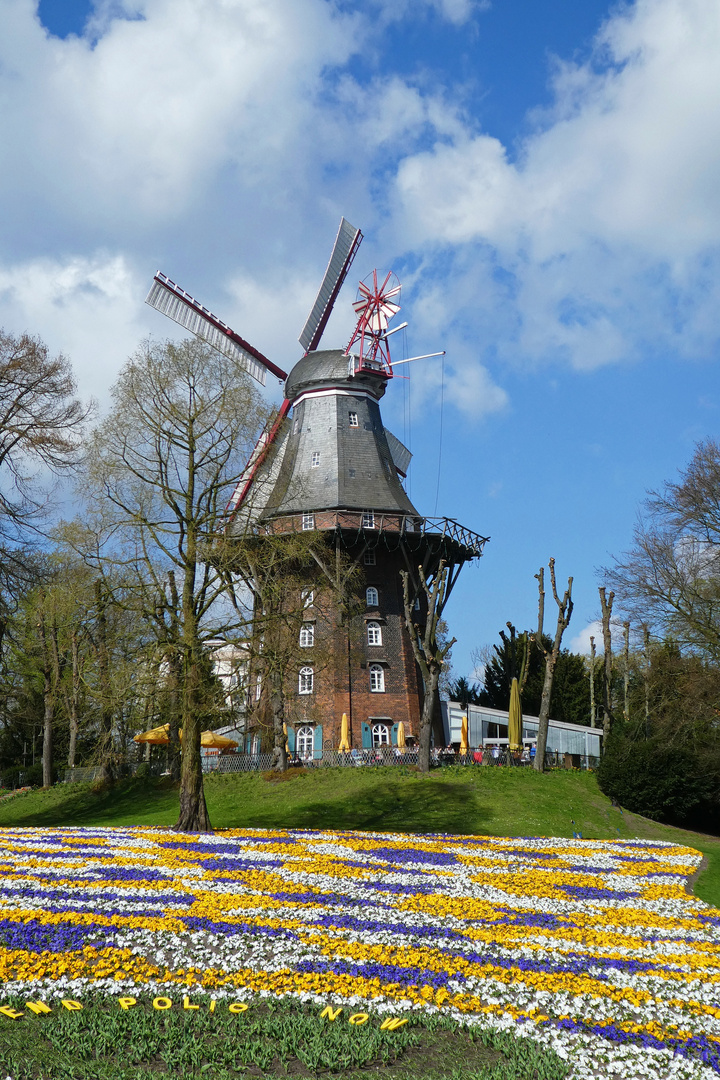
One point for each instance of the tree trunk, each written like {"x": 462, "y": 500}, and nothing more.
{"x": 565, "y": 610}
{"x": 48, "y": 706}
{"x": 592, "y": 683}
{"x": 106, "y": 712}
{"x": 194, "y": 815}
{"x": 277, "y": 707}
{"x": 74, "y": 699}
{"x": 626, "y": 671}
{"x": 606, "y": 607}
{"x": 426, "y": 719}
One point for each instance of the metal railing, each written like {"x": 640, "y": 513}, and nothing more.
{"x": 392, "y": 755}
{"x": 409, "y": 525}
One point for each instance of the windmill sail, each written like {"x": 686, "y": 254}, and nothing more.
{"x": 400, "y": 454}
{"x": 167, "y": 297}
{"x": 347, "y": 242}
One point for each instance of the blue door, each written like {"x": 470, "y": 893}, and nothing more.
{"x": 317, "y": 742}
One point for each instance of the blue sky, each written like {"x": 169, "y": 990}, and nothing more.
{"x": 543, "y": 175}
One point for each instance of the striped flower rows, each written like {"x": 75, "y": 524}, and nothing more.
{"x": 594, "y": 948}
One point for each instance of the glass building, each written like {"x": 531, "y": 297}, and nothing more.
{"x": 489, "y": 727}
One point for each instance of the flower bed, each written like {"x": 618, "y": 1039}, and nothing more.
{"x": 594, "y": 948}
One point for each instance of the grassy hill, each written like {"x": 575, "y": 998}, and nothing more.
{"x": 498, "y": 802}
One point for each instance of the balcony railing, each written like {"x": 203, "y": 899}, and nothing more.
{"x": 369, "y": 522}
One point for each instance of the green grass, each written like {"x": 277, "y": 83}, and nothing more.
{"x": 491, "y": 801}
{"x": 272, "y": 1039}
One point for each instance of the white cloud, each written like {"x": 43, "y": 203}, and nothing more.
{"x": 581, "y": 642}
{"x": 607, "y": 226}
{"x": 84, "y": 307}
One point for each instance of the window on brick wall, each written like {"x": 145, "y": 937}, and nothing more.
{"x": 377, "y": 679}
{"x": 306, "y": 681}
{"x": 371, "y": 596}
{"x": 368, "y": 519}
{"x": 353, "y": 419}
{"x": 307, "y": 635}
{"x": 369, "y": 558}
{"x": 308, "y": 597}
{"x": 374, "y": 633}
{"x": 308, "y": 522}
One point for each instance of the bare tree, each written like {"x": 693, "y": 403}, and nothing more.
{"x": 41, "y": 425}
{"x": 565, "y": 609}
{"x": 428, "y": 651}
{"x": 161, "y": 470}
{"x": 669, "y": 578}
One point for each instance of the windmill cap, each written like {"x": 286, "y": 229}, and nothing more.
{"x": 330, "y": 367}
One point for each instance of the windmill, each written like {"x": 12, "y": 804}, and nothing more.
{"x": 326, "y": 462}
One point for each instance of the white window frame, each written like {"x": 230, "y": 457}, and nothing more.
{"x": 307, "y": 635}
{"x": 372, "y": 597}
{"x": 308, "y": 597}
{"x": 353, "y": 420}
{"x": 377, "y": 679}
{"x": 308, "y": 522}
{"x": 306, "y": 680}
{"x": 369, "y": 558}
{"x": 315, "y": 460}
{"x": 258, "y": 687}
{"x": 305, "y": 741}
{"x": 374, "y": 633}
{"x": 380, "y": 735}
{"x": 368, "y": 519}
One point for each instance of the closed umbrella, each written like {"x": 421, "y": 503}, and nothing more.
{"x": 344, "y": 740}
{"x": 217, "y": 742}
{"x": 515, "y": 717}
{"x": 401, "y": 736}
{"x": 156, "y": 737}
{"x": 464, "y": 736}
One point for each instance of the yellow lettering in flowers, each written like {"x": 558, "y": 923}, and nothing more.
{"x": 392, "y": 1023}
{"x": 162, "y": 1003}
{"x": 71, "y": 1005}
{"x": 187, "y": 1005}
{"x": 237, "y": 1007}
{"x": 7, "y": 1010}
{"x": 37, "y": 1007}
{"x": 126, "y": 1003}
{"x": 359, "y": 1018}
{"x": 332, "y": 1014}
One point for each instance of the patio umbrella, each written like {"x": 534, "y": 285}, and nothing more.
{"x": 515, "y": 717}
{"x": 158, "y": 736}
{"x": 464, "y": 736}
{"x": 216, "y": 742}
{"x": 344, "y": 740}
{"x": 287, "y": 748}
{"x": 401, "y": 735}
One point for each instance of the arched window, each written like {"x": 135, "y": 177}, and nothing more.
{"x": 371, "y": 596}
{"x": 380, "y": 735}
{"x": 377, "y": 679}
{"x": 306, "y": 681}
{"x": 374, "y": 633}
{"x": 304, "y": 741}
{"x": 307, "y": 635}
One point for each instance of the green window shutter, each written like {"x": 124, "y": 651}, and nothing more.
{"x": 366, "y": 737}
{"x": 393, "y": 734}
{"x": 291, "y": 739}
{"x": 317, "y": 741}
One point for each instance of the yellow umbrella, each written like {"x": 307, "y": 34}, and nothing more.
{"x": 401, "y": 736}
{"x": 287, "y": 748}
{"x": 157, "y": 736}
{"x": 217, "y": 742}
{"x": 344, "y": 740}
{"x": 515, "y": 717}
{"x": 464, "y": 736}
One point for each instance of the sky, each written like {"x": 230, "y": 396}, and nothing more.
{"x": 542, "y": 175}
